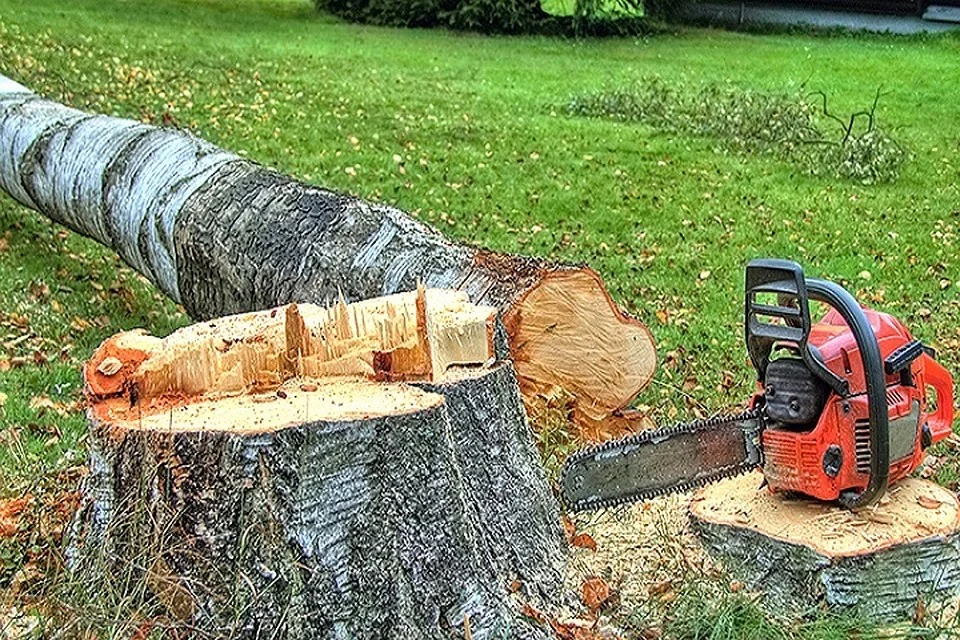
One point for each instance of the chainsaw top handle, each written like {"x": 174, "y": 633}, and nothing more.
{"x": 784, "y": 281}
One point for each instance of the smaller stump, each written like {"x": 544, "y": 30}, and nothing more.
{"x": 882, "y": 563}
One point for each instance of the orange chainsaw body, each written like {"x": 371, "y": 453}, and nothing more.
{"x": 834, "y": 456}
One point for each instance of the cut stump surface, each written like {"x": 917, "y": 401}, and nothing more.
{"x": 881, "y": 563}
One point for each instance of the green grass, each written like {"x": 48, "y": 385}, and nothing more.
{"x": 488, "y": 155}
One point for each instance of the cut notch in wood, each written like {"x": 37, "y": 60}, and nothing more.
{"x": 410, "y": 336}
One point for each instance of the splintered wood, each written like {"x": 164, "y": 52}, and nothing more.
{"x": 313, "y": 472}
{"x": 413, "y": 336}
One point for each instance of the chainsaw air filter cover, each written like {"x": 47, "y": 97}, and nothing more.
{"x": 792, "y": 393}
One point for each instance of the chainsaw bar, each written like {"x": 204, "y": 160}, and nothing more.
{"x": 661, "y": 461}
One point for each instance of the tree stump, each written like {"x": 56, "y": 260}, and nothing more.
{"x": 364, "y": 471}
{"x": 884, "y": 563}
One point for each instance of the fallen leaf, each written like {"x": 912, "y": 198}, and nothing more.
{"x": 584, "y": 541}
{"x": 573, "y": 629}
{"x": 3, "y": 399}
{"x": 38, "y": 403}
{"x": 10, "y": 511}
{"x": 142, "y": 632}
{"x": 110, "y": 366}
{"x": 659, "y": 588}
{"x": 928, "y": 503}
{"x": 569, "y": 528}
{"x": 595, "y": 591}
{"x": 79, "y": 324}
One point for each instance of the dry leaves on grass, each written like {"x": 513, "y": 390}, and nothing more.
{"x": 572, "y": 629}
{"x": 595, "y": 592}
{"x": 10, "y": 511}
{"x": 42, "y": 404}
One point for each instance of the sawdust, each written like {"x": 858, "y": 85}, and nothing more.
{"x": 640, "y": 549}
{"x": 648, "y": 550}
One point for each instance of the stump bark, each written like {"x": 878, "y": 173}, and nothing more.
{"x": 223, "y": 235}
{"x": 885, "y": 563}
{"x": 364, "y": 471}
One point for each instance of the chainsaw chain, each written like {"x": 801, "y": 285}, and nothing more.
{"x": 642, "y": 437}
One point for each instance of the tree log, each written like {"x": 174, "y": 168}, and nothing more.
{"x": 362, "y": 471}
{"x": 223, "y": 235}
{"x": 885, "y": 563}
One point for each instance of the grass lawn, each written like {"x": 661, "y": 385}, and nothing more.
{"x": 469, "y": 133}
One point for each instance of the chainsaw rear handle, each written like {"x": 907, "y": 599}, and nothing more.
{"x": 941, "y": 420}
{"x": 785, "y": 279}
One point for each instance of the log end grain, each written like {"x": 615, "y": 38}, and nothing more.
{"x": 567, "y": 332}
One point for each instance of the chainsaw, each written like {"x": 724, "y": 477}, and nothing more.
{"x": 844, "y": 407}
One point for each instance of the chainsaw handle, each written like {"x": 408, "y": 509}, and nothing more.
{"x": 941, "y": 420}
{"x": 848, "y": 308}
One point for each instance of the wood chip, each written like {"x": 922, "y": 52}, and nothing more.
{"x": 929, "y": 503}
{"x": 882, "y": 518}
{"x": 110, "y": 366}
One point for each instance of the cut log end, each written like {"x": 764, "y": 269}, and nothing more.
{"x": 880, "y": 563}
{"x": 222, "y": 235}
{"x": 567, "y": 332}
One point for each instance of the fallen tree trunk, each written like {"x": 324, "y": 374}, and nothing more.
{"x": 891, "y": 563}
{"x": 223, "y": 235}
{"x": 363, "y": 471}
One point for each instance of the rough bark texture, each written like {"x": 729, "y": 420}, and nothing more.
{"x": 320, "y": 508}
{"x": 506, "y": 490}
{"x": 882, "y": 564}
{"x": 223, "y": 235}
